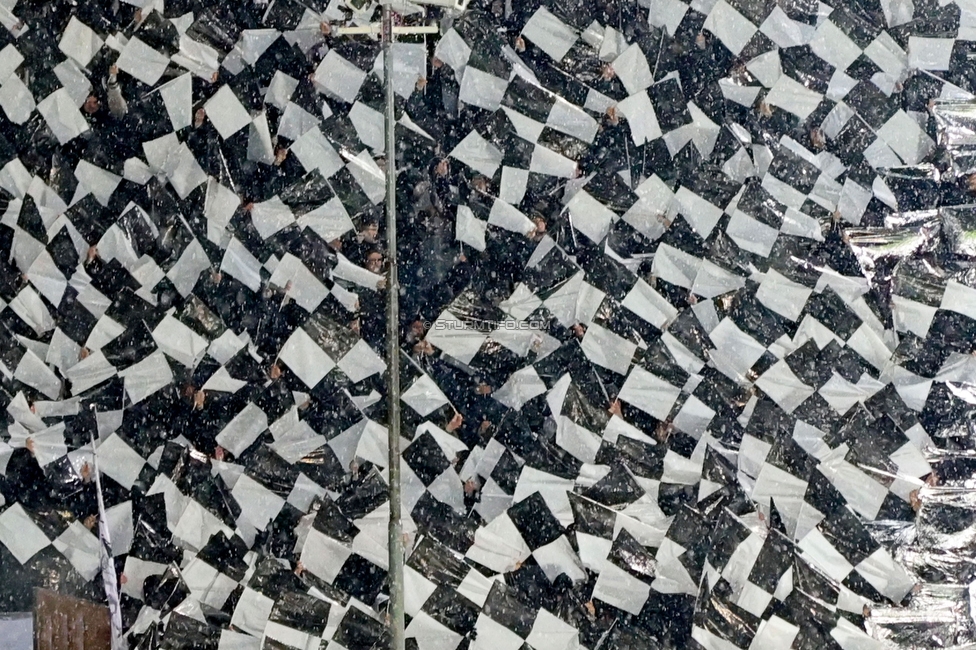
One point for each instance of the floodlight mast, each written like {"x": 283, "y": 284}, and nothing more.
{"x": 396, "y": 611}
{"x": 388, "y": 32}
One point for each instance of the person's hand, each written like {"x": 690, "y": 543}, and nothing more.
{"x": 615, "y": 408}
{"x": 214, "y": 77}
{"x": 198, "y": 399}
{"x": 663, "y": 431}
{"x": 579, "y": 330}
{"x": 248, "y": 207}
{"x": 92, "y": 254}
{"x": 455, "y": 422}
{"x": 114, "y": 70}
{"x": 608, "y": 72}
{"x": 275, "y": 371}
{"x": 325, "y": 28}
{"x": 198, "y": 117}
{"x": 818, "y": 139}
{"x": 280, "y": 156}
{"x": 436, "y": 63}
{"x": 462, "y": 258}
{"x": 519, "y": 44}
{"x": 381, "y": 284}
{"x": 613, "y": 116}
{"x": 423, "y": 347}
{"x": 421, "y": 83}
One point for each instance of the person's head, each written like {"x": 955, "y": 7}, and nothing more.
{"x": 443, "y": 167}
{"x": 540, "y": 224}
{"x": 374, "y": 261}
{"x": 417, "y": 328}
{"x": 91, "y": 105}
{"x": 480, "y": 183}
{"x": 371, "y": 230}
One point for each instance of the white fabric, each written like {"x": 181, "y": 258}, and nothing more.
{"x": 243, "y": 430}
{"x": 18, "y": 532}
{"x": 119, "y": 461}
{"x": 305, "y": 358}
{"x": 226, "y": 112}
{"x": 62, "y": 115}
{"x": 479, "y": 154}
{"x": 142, "y": 62}
{"x": 80, "y": 42}
{"x": 339, "y": 77}
{"x": 550, "y": 34}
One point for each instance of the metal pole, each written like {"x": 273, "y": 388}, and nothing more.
{"x": 397, "y": 640}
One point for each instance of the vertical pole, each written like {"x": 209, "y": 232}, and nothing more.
{"x": 397, "y": 640}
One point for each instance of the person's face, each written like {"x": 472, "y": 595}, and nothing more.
{"x": 374, "y": 263}
{"x": 91, "y": 105}
{"x": 443, "y": 168}
{"x": 417, "y": 328}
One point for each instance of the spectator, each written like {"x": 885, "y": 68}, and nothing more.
{"x": 117, "y": 105}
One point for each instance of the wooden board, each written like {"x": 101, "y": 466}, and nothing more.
{"x": 66, "y": 623}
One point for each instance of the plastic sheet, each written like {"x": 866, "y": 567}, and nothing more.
{"x": 687, "y": 309}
